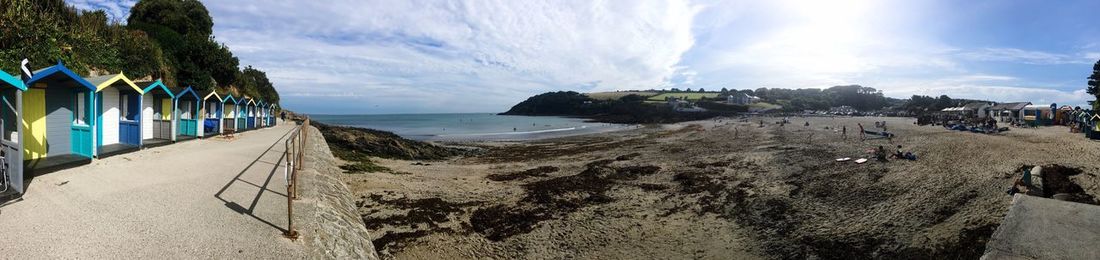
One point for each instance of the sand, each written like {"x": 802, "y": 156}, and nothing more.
{"x": 714, "y": 190}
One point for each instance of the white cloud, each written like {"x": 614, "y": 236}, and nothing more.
{"x": 984, "y": 87}
{"x": 500, "y": 51}
{"x": 1023, "y": 56}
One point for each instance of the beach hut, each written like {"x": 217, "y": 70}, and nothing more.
{"x": 118, "y": 110}
{"x": 11, "y": 144}
{"x": 252, "y": 113}
{"x": 157, "y": 128}
{"x": 271, "y": 115}
{"x": 229, "y": 105}
{"x": 211, "y": 114}
{"x": 1037, "y": 115}
{"x": 187, "y": 113}
{"x": 260, "y": 114}
{"x": 57, "y": 121}
{"x": 242, "y": 113}
{"x": 1008, "y": 112}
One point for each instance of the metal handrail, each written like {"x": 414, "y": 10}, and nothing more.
{"x": 295, "y": 155}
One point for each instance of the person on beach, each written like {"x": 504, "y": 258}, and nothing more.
{"x": 880, "y": 154}
{"x": 862, "y": 135}
{"x": 898, "y": 154}
{"x": 844, "y": 132}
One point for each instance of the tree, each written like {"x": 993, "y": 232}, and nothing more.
{"x": 1094, "y": 85}
{"x": 724, "y": 91}
{"x": 701, "y": 90}
{"x": 182, "y": 16}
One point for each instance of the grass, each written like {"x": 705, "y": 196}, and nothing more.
{"x": 617, "y": 94}
{"x": 763, "y": 106}
{"x": 688, "y": 95}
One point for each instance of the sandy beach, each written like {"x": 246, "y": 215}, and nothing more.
{"x": 715, "y": 190}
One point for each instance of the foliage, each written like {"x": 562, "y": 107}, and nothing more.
{"x": 856, "y": 96}
{"x": 163, "y": 39}
{"x": 684, "y": 95}
{"x": 628, "y": 109}
{"x": 254, "y": 83}
{"x": 924, "y": 104}
{"x": 1094, "y": 85}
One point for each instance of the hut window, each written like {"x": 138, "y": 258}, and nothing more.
{"x": 79, "y": 109}
{"x": 123, "y": 104}
{"x": 157, "y": 108}
{"x": 185, "y": 110}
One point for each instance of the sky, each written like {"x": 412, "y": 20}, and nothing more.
{"x": 384, "y": 57}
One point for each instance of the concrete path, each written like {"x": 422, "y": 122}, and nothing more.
{"x": 1041, "y": 228}
{"x": 212, "y": 198}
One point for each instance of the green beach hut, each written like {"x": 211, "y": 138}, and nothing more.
{"x": 187, "y": 114}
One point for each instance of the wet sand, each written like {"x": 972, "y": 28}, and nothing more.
{"x": 728, "y": 190}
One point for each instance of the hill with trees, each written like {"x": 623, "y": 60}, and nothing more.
{"x": 171, "y": 40}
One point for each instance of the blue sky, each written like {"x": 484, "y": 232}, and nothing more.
{"x": 351, "y": 57}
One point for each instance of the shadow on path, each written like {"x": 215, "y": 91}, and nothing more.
{"x": 274, "y": 168}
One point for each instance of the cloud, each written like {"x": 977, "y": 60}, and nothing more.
{"x": 1024, "y": 56}
{"x": 985, "y": 87}
{"x": 457, "y": 56}
{"x": 117, "y": 10}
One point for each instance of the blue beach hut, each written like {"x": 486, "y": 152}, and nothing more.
{"x": 11, "y": 144}
{"x": 274, "y": 110}
{"x": 118, "y": 115}
{"x": 211, "y": 114}
{"x": 252, "y": 113}
{"x": 187, "y": 113}
{"x": 242, "y": 113}
{"x": 157, "y": 128}
{"x": 57, "y": 120}
{"x": 229, "y": 105}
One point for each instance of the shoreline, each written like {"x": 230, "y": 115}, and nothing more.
{"x": 712, "y": 189}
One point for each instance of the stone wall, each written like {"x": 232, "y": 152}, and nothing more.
{"x": 325, "y": 214}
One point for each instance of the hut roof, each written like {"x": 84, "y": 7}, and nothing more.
{"x": 1011, "y": 106}
{"x": 59, "y": 73}
{"x": 12, "y": 81}
{"x": 150, "y": 86}
{"x": 184, "y": 92}
{"x": 212, "y": 93}
{"x": 229, "y": 99}
{"x": 975, "y": 105}
{"x": 102, "y": 82}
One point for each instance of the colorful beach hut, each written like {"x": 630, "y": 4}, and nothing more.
{"x": 229, "y": 104}
{"x": 273, "y": 108}
{"x": 156, "y": 110}
{"x": 242, "y": 113}
{"x": 187, "y": 113}
{"x": 118, "y": 110}
{"x": 252, "y": 113}
{"x": 211, "y": 114}
{"x": 260, "y": 114}
{"x": 57, "y": 122}
{"x": 11, "y": 144}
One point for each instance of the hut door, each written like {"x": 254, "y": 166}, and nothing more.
{"x": 81, "y": 127}
{"x": 34, "y": 123}
{"x": 129, "y": 126}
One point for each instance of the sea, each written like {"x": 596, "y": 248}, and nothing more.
{"x": 471, "y": 126}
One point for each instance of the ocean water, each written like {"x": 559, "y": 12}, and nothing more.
{"x": 470, "y": 126}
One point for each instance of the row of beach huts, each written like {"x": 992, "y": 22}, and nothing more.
{"x": 53, "y": 119}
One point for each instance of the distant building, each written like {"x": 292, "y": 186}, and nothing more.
{"x": 739, "y": 98}
{"x": 976, "y": 109}
{"x": 1007, "y": 112}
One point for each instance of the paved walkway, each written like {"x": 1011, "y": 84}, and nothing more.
{"x": 210, "y": 198}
